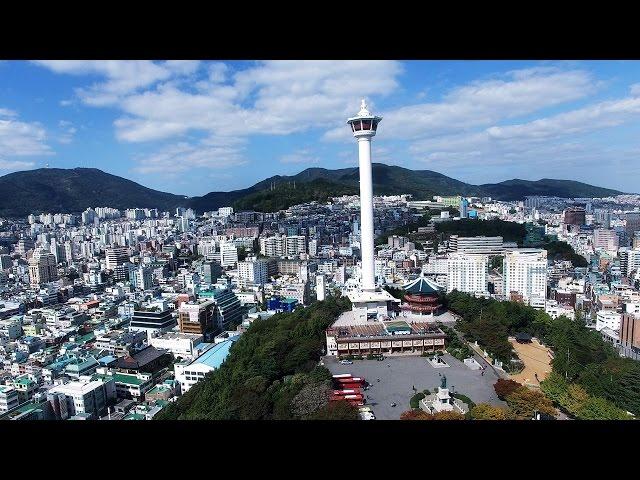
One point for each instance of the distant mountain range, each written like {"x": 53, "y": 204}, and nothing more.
{"x": 73, "y": 190}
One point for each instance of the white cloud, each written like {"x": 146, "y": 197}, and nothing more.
{"x": 482, "y": 103}
{"x": 123, "y": 77}
{"x": 15, "y": 165}
{"x": 518, "y": 137}
{"x": 22, "y": 139}
{"x": 5, "y": 112}
{"x": 185, "y": 156}
{"x": 275, "y": 97}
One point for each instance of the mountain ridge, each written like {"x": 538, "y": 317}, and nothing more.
{"x": 75, "y": 189}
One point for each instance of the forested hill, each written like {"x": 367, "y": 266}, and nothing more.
{"x": 73, "y": 190}
{"x": 271, "y": 373}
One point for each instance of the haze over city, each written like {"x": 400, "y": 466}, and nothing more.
{"x": 190, "y": 127}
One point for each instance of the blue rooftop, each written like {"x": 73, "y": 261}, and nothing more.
{"x": 216, "y": 355}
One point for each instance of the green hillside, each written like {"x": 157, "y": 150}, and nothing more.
{"x": 73, "y": 190}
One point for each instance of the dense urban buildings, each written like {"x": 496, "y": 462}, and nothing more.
{"x": 113, "y": 313}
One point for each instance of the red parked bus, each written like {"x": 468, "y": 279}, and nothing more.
{"x": 350, "y": 380}
{"x": 355, "y": 391}
{"x": 347, "y": 386}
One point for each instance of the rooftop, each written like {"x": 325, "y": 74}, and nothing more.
{"x": 217, "y": 354}
{"x": 422, "y": 286}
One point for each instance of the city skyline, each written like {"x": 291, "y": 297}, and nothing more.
{"x": 231, "y": 124}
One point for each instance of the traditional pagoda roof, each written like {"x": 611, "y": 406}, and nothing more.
{"x": 422, "y": 286}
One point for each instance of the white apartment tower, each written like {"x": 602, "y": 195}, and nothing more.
{"x": 467, "y": 273}
{"x": 320, "y": 287}
{"x": 253, "y": 272}
{"x": 525, "y": 274}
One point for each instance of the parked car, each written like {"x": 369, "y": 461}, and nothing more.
{"x": 346, "y": 362}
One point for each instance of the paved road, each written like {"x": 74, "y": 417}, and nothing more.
{"x": 397, "y": 380}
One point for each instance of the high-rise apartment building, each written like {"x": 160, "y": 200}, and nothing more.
{"x": 198, "y": 317}
{"x": 464, "y": 208}
{"x": 575, "y": 216}
{"x": 467, "y": 273}
{"x": 228, "y": 312}
{"x": 281, "y": 245}
{"x": 228, "y": 254}
{"x": 604, "y": 239}
{"x": 42, "y": 267}
{"x": 629, "y": 260}
{"x": 210, "y": 271}
{"x": 141, "y": 278}
{"x": 632, "y": 224}
{"x": 320, "y": 287}
{"x": 24, "y": 245}
{"x": 525, "y": 275}
{"x": 602, "y": 217}
{"x": 255, "y": 272}
{"x": 116, "y": 256}
{"x": 5, "y": 262}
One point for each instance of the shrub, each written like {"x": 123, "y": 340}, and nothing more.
{"x": 464, "y": 399}
{"x": 415, "y": 400}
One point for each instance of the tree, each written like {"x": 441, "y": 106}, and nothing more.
{"x": 524, "y": 401}
{"x": 484, "y": 411}
{"x": 578, "y": 402}
{"x": 504, "y": 388}
{"x": 265, "y": 371}
{"x": 311, "y": 398}
{"x": 415, "y": 414}
{"x": 340, "y": 410}
{"x": 598, "y": 408}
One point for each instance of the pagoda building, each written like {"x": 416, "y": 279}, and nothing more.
{"x": 421, "y": 297}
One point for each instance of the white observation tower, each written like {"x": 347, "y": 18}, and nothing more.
{"x": 368, "y": 302}
{"x": 364, "y": 126}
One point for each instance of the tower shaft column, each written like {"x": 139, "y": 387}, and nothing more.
{"x": 366, "y": 214}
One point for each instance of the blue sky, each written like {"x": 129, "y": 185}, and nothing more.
{"x": 193, "y": 127}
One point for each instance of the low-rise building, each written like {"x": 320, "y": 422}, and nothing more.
{"x": 189, "y": 373}
{"x": 179, "y": 344}
{"x": 9, "y": 398}
{"x": 90, "y": 398}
